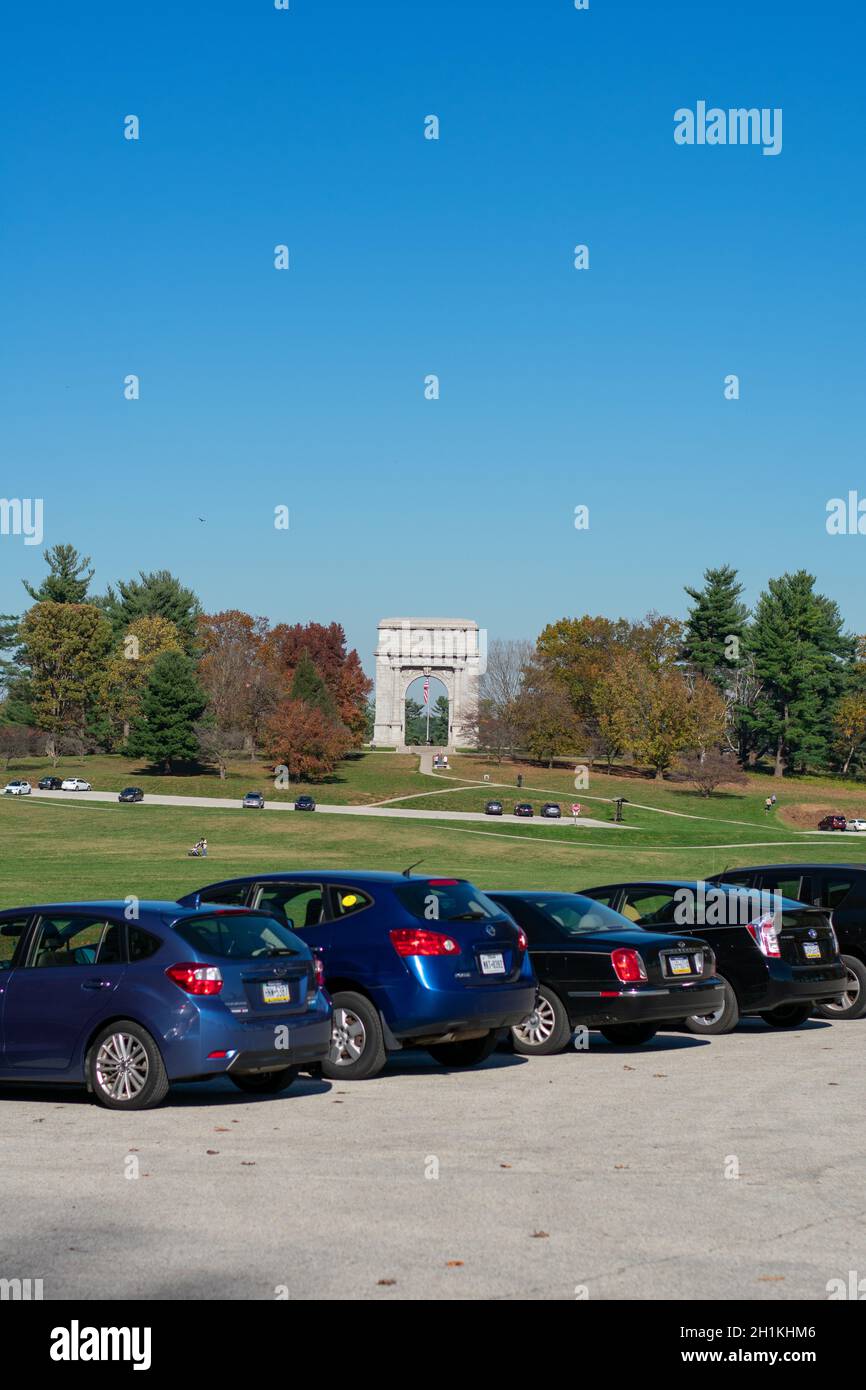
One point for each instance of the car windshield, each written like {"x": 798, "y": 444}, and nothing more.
{"x": 241, "y": 935}
{"x": 573, "y": 914}
{"x": 446, "y": 900}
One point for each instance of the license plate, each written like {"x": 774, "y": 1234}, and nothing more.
{"x": 680, "y": 965}
{"x": 812, "y": 950}
{"x": 277, "y": 992}
{"x": 492, "y": 963}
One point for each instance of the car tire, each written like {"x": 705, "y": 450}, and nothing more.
{"x": 124, "y": 1068}
{"x": 788, "y": 1015}
{"x": 266, "y": 1083}
{"x": 469, "y": 1053}
{"x": 723, "y": 1020}
{"x": 551, "y": 1031}
{"x": 357, "y": 1043}
{"x": 855, "y": 994}
{"x": 629, "y": 1034}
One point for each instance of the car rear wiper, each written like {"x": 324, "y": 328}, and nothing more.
{"x": 468, "y": 917}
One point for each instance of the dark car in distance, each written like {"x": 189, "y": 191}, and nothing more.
{"x": 552, "y": 810}
{"x": 131, "y": 794}
{"x": 409, "y": 961}
{"x": 596, "y": 969}
{"x": 50, "y": 784}
{"x": 493, "y": 808}
{"x": 839, "y": 889}
{"x": 776, "y": 960}
{"x": 833, "y": 823}
{"x": 524, "y": 808}
{"x": 305, "y": 803}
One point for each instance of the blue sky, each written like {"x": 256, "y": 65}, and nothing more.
{"x": 305, "y": 388}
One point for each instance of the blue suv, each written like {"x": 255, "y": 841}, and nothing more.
{"x": 124, "y": 1007}
{"x": 409, "y": 961}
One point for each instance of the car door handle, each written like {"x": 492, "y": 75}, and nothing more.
{"x": 96, "y": 984}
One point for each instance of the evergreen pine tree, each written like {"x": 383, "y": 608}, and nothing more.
{"x": 716, "y": 617}
{"x": 171, "y": 704}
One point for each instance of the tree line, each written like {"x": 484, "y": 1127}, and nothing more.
{"x": 723, "y": 690}
{"x": 143, "y": 670}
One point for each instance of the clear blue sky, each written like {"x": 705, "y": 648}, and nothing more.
{"x": 410, "y": 257}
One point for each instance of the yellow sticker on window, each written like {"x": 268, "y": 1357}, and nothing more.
{"x": 349, "y": 900}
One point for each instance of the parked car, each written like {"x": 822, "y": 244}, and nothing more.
{"x": 855, "y": 824}
{"x": 552, "y": 810}
{"x": 75, "y": 784}
{"x": 131, "y": 794}
{"x": 839, "y": 889}
{"x": 179, "y": 994}
{"x": 17, "y": 787}
{"x": 255, "y": 800}
{"x": 305, "y": 803}
{"x": 833, "y": 823}
{"x": 410, "y": 961}
{"x": 596, "y": 969}
{"x": 778, "y": 974}
{"x": 50, "y": 784}
{"x": 524, "y": 808}
{"x": 493, "y": 808}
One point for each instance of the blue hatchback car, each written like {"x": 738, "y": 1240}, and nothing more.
{"x": 124, "y": 1007}
{"x": 409, "y": 961}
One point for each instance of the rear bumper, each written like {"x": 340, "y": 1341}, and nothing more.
{"x": 467, "y": 1011}
{"x": 796, "y": 984}
{"x": 651, "y": 1004}
{"x": 293, "y": 1040}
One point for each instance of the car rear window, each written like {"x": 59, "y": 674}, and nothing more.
{"x": 445, "y": 900}
{"x": 241, "y": 935}
{"x": 571, "y": 914}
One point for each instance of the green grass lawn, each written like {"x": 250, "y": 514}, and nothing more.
{"x": 54, "y": 850}
{"x": 363, "y": 778}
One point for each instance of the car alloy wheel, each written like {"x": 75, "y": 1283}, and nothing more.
{"x": 851, "y": 1003}
{"x": 348, "y": 1038}
{"x": 536, "y": 1030}
{"x": 121, "y": 1067}
{"x": 848, "y": 999}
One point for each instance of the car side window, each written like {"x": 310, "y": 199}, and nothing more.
{"x": 607, "y": 898}
{"x": 345, "y": 901}
{"x": 787, "y": 886}
{"x": 302, "y": 903}
{"x": 834, "y": 891}
{"x": 648, "y": 905}
{"x": 231, "y": 894}
{"x": 11, "y": 933}
{"x": 142, "y": 944}
{"x": 71, "y": 941}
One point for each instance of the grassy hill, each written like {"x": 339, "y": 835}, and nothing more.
{"x": 55, "y": 849}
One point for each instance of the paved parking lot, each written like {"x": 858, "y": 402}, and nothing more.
{"x": 602, "y": 1171}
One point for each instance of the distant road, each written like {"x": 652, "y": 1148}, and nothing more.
{"x": 218, "y": 803}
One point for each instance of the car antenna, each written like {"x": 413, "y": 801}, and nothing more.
{"x": 407, "y": 872}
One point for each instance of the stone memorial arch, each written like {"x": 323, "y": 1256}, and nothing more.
{"x": 448, "y": 648}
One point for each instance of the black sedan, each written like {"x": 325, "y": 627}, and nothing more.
{"x": 595, "y": 969}
{"x": 776, "y": 957}
{"x": 50, "y": 784}
{"x": 493, "y": 808}
{"x": 305, "y": 803}
{"x": 131, "y": 794}
{"x": 524, "y": 808}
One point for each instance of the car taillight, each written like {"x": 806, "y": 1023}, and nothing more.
{"x": 628, "y": 965}
{"x": 522, "y": 943}
{"x": 765, "y": 936}
{"x": 834, "y": 940}
{"x": 319, "y": 969}
{"x": 196, "y": 979}
{"x": 409, "y": 941}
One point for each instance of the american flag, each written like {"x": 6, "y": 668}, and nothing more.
{"x": 426, "y": 692}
